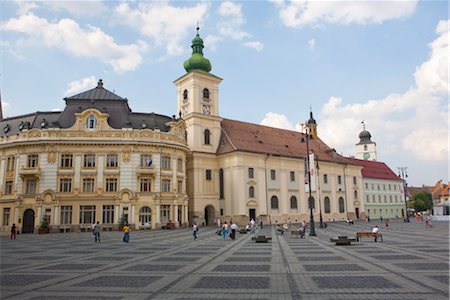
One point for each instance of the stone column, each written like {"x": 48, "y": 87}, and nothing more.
{"x": 56, "y": 215}
{"x": 175, "y": 215}
{"x": 116, "y": 213}
{"x": 158, "y": 214}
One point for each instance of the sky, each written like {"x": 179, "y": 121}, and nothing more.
{"x": 382, "y": 62}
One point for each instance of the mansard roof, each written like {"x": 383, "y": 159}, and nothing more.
{"x": 254, "y": 138}
{"x": 376, "y": 170}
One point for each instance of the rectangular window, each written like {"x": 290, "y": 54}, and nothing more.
{"x": 367, "y": 198}
{"x": 390, "y": 188}
{"x": 180, "y": 187}
{"x": 166, "y": 186}
{"x": 31, "y": 186}
{"x": 221, "y": 211}
{"x": 8, "y": 187}
{"x": 179, "y": 165}
{"x": 165, "y": 162}
{"x": 32, "y": 161}
{"x": 367, "y": 186}
{"x": 339, "y": 179}
{"x": 272, "y": 174}
{"x": 146, "y": 161}
{"x": 89, "y": 161}
{"x": 66, "y": 215}
{"x": 146, "y": 184}
{"x": 165, "y": 213}
{"x": 108, "y": 214}
{"x": 10, "y": 163}
{"x": 250, "y": 172}
{"x": 112, "y": 161}
{"x": 208, "y": 174}
{"x": 65, "y": 185}
{"x": 66, "y": 161}
{"x": 88, "y": 185}
{"x": 6, "y": 213}
{"x": 111, "y": 185}
{"x": 395, "y": 187}
{"x": 354, "y": 180}
{"x": 325, "y": 178}
{"x": 292, "y": 176}
{"x": 87, "y": 214}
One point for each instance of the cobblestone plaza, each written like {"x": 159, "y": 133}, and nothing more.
{"x": 411, "y": 263}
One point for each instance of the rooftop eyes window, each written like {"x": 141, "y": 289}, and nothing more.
{"x": 185, "y": 94}
{"x": 205, "y": 93}
{"x": 91, "y": 122}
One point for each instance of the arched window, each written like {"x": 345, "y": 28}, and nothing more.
{"x": 207, "y": 135}
{"x": 365, "y": 147}
{"x": 327, "y": 205}
{"x": 293, "y": 202}
{"x": 251, "y": 192}
{"x": 145, "y": 215}
{"x": 91, "y": 122}
{"x": 205, "y": 93}
{"x": 341, "y": 205}
{"x": 311, "y": 203}
{"x": 221, "y": 187}
{"x": 274, "y": 202}
{"x": 185, "y": 94}
{"x": 356, "y": 194}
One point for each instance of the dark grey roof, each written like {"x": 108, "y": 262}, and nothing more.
{"x": 364, "y": 138}
{"x": 99, "y": 98}
{"x": 97, "y": 93}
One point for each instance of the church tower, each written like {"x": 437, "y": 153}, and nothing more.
{"x": 366, "y": 149}
{"x": 198, "y": 100}
{"x": 311, "y": 126}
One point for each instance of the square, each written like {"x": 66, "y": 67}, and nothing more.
{"x": 353, "y": 282}
{"x": 119, "y": 281}
{"x": 209, "y": 282}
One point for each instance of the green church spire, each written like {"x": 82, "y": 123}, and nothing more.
{"x": 197, "y": 61}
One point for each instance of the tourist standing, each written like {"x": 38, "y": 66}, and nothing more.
{"x": 13, "y": 232}
{"x": 96, "y": 231}
{"x": 233, "y": 228}
{"x": 194, "y": 231}
{"x": 224, "y": 230}
{"x": 126, "y": 233}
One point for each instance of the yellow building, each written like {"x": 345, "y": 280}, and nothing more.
{"x": 99, "y": 161}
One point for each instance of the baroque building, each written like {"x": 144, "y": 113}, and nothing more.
{"x": 99, "y": 161}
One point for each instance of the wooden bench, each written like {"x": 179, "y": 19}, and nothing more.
{"x": 262, "y": 238}
{"x": 169, "y": 225}
{"x": 369, "y": 234}
{"x": 298, "y": 232}
{"x": 342, "y": 241}
{"x": 243, "y": 231}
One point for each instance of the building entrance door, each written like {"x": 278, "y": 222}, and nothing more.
{"x": 252, "y": 214}
{"x": 28, "y": 221}
{"x": 357, "y": 212}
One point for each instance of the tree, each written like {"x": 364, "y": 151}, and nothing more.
{"x": 422, "y": 201}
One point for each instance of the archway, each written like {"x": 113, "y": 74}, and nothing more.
{"x": 210, "y": 214}
{"x": 28, "y": 221}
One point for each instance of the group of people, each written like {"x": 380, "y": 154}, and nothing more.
{"x": 96, "y": 228}
{"x": 301, "y": 228}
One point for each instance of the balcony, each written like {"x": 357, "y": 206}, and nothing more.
{"x": 30, "y": 172}
{"x": 146, "y": 170}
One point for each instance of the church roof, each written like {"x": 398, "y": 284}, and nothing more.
{"x": 97, "y": 93}
{"x": 254, "y": 138}
{"x": 376, "y": 170}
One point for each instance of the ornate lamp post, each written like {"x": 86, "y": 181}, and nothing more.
{"x": 403, "y": 174}
{"x": 312, "y": 231}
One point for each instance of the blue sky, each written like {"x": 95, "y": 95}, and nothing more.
{"x": 382, "y": 62}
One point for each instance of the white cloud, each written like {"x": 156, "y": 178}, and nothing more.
{"x": 212, "y": 41}
{"x": 231, "y": 26}
{"x": 66, "y": 34}
{"x": 25, "y": 6}
{"x": 87, "y": 8}
{"x": 81, "y": 85}
{"x": 255, "y": 45}
{"x": 167, "y": 25}
{"x": 299, "y": 13}
{"x": 422, "y": 129}
{"x": 312, "y": 44}
{"x": 278, "y": 121}
{"x": 5, "y": 108}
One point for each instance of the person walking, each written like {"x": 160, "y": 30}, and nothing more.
{"x": 233, "y": 228}
{"x": 96, "y": 231}
{"x": 194, "y": 231}
{"x": 126, "y": 233}
{"x": 13, "y": 232}
{"x": 224, "y": 230}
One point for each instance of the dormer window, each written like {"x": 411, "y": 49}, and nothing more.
{"x": 185, "y": 94}
{"x": 6, "y": 128}
{"x": 205, "y": 93}
{"x": 91, "y": 122}
{"x": 43, "y": 123}
{"x": 143, "y": 124}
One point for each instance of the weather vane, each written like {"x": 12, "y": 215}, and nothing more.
{"x": 364, "y": 125}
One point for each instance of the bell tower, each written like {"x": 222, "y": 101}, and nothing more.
{"x": 198, "y": 100}
{"x": 311, "y": 125}
{"x": 366, "y": 148}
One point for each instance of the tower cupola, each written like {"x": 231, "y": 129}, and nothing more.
{"x": 197, "y": 60}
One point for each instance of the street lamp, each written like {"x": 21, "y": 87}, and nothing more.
{"x": 312, "y": 231}
{"x": 320, "y": 201}
{"x": 403, "y": 174}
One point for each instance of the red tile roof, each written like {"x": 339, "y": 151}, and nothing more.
{"x": 376, "y": 169}
{"x": 254, "y": 138}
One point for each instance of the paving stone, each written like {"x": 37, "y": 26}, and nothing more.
{"x": 237, "y": 258}
{"x": 396, "y": 257}
{"x": 210, "y": 282}
{"x": 423, "y": 266}
{"x": 242, "y": 268}
{"x": 61, "y": 297}
{"x": 354, "y": 282}
{"x": 440, "y": 278}
{"x": 177, "y": 258}
{"x": 119, "y": 281}
{"x": 320, "y": 258}
{"x": 70, "y": 267}
{"x": 155, "y": 268}
{"x": 332, "y": 267}
{"x": 23, "y": 280}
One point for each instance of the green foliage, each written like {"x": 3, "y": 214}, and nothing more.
{"x": 44, "y": 223}
{"x": 422, "y": 201}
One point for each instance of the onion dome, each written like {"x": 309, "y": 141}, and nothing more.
{"x": 364, "y": 137}
{"x": 197, "y": 61}
{"x": 311, "y": 119}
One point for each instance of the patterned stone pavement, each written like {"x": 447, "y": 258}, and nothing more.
{"x": 411, "y": 263}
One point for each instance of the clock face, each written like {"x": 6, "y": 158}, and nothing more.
{"x": 366, "y": 155}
